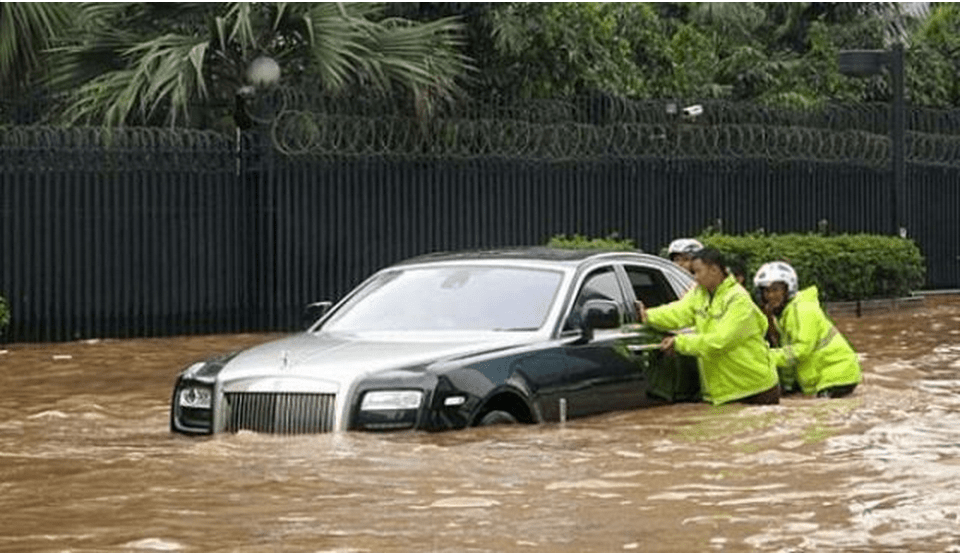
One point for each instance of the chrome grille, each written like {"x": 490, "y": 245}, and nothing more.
{"x": 280, "y": 413}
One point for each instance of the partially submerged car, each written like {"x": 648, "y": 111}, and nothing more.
{"x": 452, "y": 340}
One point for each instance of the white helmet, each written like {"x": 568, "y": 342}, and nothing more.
{"x": 684, "y": 246}
{"x": 773, "y": 272}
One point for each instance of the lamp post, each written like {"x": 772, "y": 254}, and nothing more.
{"x": 263, "y": 72}
{"x": 863, "y": 63}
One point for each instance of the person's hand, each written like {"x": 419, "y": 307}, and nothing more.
{"x": 772, "y": 334}
{"x": 668, "y": 345}
{"x": 640, "y": 310}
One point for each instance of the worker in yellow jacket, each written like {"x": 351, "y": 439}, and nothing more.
{"x": 728, "y": 338}
{"x": 810, "y": 353}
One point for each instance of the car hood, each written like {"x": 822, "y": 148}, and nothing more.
{"x": 339, "y": 359}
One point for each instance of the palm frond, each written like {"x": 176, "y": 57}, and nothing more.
{"x": 26, "y": 30}
{"x": 239, "y": 26}
{"x": 341, "y": 43}
{"x": 421, "y": 57}
{"x": 163, "y": 73}
{"x": 123, "y": 68}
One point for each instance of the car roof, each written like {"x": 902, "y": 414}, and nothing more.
{"x": 542, "y": 254}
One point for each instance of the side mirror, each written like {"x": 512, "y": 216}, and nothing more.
{"x": 314, "y": 311}
{"x": 599, "y": 314}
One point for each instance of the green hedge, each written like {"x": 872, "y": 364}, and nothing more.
{"x": 844, "y": 267}
{"x": 579, "y": 242}
{"x": 4, "y": 314}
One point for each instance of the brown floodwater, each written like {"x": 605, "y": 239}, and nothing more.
{"x": 87, "y": 464}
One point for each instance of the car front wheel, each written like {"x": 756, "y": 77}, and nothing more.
{"x": 497, "y": 417}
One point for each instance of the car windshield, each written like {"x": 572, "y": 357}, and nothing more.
{"x": 461, "y": 298}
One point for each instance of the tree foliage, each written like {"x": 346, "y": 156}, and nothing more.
{"x": 26, "y": 30}
{"x": 183, "y": 63}
{"x": 168, "y": 63}
{"x": 780, "y": 54}
{"x": 933, "y": 58}
{"x": 552, "y": 49}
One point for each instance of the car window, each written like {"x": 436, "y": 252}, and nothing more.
{"x": 451, "y": 298}
{"x": 601, "y": 284}
{"x": 650, "y": 286}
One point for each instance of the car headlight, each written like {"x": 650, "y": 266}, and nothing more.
{"x": 193, "y": 396}
{"x": 392, "y": 400}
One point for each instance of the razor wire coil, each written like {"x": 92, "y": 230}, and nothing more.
{"x": 303, "y": 126}
{"x": 44, "y": 148}
{"x": 302, "y": 133}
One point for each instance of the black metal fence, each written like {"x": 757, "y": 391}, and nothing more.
{"x": 156, "y": 232}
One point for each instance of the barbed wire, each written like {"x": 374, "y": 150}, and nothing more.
{"x": 303, "y": 133}
{"x": 315, "y": 125}
{"x": 572, "y": 129}
{"x": 931, "y": 149}
{"x": 45, "y": 148}
{"x": 604, "y": 110}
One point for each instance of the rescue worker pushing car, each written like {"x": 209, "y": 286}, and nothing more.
{"x": 809, "y": 351}
{"x": 680, "y": 252}
{"x": 733, "y": 358}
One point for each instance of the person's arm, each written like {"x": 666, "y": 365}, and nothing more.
{"x": 800, "y": 335}
{"x": 675, "y": 315}
{"x": 738, "y": 321}
{"x": 772, "y": 335}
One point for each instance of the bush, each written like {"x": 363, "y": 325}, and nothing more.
{"x": 844, "y": 267}
{"x": 578, "y": 242}
{"x": 4, "y": 314}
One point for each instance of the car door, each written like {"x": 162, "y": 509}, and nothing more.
{"x": 606, "y": 372}
{"x": 668, "y": 377}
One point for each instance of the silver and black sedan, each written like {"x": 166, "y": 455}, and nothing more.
{"x": 452, "y": 340}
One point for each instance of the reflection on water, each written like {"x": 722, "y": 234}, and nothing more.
{"x": 87, "y": 463}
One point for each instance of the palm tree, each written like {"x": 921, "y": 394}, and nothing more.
{"x": 168, "y": 63}
{"x": 26, "y": 29}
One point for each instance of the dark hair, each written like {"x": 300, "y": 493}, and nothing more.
{"x": 736, "y": 266}
{"x": 711, "y": 256}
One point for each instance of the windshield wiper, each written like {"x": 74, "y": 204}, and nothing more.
{"x": 513, "y": 329}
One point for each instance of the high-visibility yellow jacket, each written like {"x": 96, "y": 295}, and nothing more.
{"x": 733, "y": 357}
{"x": 812, "y": 352}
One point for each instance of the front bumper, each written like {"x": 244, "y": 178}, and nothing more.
{"x": 295, "y": 405}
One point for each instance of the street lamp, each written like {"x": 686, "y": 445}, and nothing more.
{"x": 864, "y": 63}
{"x": 263, "y": 72}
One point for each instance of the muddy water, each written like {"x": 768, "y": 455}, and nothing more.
{"x": 87, "y": 463}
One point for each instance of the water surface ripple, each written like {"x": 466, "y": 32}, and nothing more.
{"x": 87, "y": 463}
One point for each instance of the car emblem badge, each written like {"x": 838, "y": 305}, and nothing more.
{"x": 286, "y": 360}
